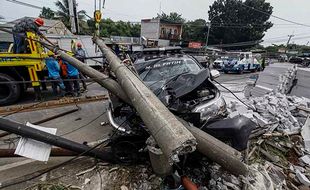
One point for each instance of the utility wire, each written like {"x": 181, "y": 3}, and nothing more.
{"x": 235, "y": 96}
{"x": 263, "y": 12}
{"x": 25, "y": 4}
{"x": 88, "y": 123}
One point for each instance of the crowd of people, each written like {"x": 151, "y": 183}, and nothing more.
{"x": 64, "y": 77}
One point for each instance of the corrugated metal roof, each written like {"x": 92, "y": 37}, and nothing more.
{"x": 4, "y": 36}
{"x": 64, "y": 42}
{"x": 50, "y": 26}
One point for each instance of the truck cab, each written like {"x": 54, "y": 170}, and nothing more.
{"x": 20, "y": 71}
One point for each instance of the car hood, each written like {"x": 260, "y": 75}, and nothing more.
{"x": 179, "y": 86}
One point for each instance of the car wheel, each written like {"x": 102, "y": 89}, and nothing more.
{"x": 226, "y": 72}
{"x": 9, "y": 92}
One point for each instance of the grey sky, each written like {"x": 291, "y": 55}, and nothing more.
{"x": 135, "y": 10}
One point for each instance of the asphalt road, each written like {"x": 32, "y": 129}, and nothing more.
{"x": 29, "y": 96}
{"x": 234, "y": 77}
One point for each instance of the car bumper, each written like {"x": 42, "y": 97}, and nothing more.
{"x": 211, "y": 110}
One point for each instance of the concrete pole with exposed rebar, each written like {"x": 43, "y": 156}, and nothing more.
{"x": 170, "y": 134}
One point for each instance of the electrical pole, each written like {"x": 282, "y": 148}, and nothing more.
{"x": 209, "y": 28}
{"x": 207, "y": 40}
{"x": 289, "y": 39}
{"x": 73, "y": 17}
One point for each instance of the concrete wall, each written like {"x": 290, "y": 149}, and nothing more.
{"x": 150, "y": 28}
{"x": 163, "y": 43}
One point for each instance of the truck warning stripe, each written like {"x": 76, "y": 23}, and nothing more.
{"x": 34, "y": 77}
{"x": 31, "y": 45}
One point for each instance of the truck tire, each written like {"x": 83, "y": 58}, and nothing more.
{"x": 9, "y": 93}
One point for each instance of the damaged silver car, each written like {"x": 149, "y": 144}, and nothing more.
{"x": 180, "y": 82}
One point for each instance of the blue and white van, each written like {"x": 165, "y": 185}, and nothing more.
{"x": 240, "y": 62}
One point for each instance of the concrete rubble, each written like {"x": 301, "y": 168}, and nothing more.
{"x": 281, "y": 140}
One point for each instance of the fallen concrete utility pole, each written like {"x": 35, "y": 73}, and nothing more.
{"x": 46, "y": 120}
{"x": 170, "y": 134}
{"x": 212, "y": 148}
{"x": 8, "y": 153}
{"x": 219, "y": 152}
{"x": 97, "y": 76}
{"x": 28, "y": 132}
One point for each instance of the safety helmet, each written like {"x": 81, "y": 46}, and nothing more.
{"x": 39, "y": 21}
{"x": 78, "y": 44}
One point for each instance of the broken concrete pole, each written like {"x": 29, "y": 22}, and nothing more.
{"x": 219, "y": 152}
{"x": 170, "y": 134}
{"x": 35, "y": 134}
{"x": 159, "y": 161}
{"x": 97, "y": 76}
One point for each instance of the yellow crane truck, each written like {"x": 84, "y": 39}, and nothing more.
{"x": 18, "y": 72}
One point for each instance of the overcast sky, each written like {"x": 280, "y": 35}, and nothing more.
{"x": 135, "y": 10}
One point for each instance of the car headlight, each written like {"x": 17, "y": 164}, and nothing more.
{"x": 211, "y": 109}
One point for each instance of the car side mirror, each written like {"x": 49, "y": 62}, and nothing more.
{"x": 214, "y": 74}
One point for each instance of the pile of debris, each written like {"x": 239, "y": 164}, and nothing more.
{"x": 286, "y": 80}
{"x": 281, "y": 141}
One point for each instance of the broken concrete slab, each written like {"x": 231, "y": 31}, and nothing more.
{"x": 302, "y": 178}
{"x": 305, "y": 133}
{"x": 305, "y": 160}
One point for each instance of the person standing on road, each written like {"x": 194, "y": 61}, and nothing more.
{"x": 64, "y": 75}
{"x": 80, "y": 55}
{"x": 21, "y": 28}
{"x": 54, "y": 74}
{"x": 263, "y": 63}
{"x": 73, "y": 74}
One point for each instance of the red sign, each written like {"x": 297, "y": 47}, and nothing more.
{"x": 195, "y": 45}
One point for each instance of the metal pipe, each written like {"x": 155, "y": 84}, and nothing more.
{"x": 170, "y": 134}
{"x": 114, "y": 124}
{"x": 45, "y": 120}
{"x": 35, "y": 134}
{"x": 55, "y": 116}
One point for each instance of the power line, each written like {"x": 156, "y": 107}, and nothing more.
{"x": 263, "y": 12}
{"x": 25, "y": 4}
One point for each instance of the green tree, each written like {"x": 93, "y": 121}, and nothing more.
{"x": 172, "y": 17}
{"x": 63, "y": 11}
{"x": 110, "y": 28}
{"x": 64, "y": 15}
{"x": 195, "y": 30}
{"x": 47, "y": 13}
{"x": 234, "y": 21}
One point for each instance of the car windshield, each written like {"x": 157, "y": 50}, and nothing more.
{"x": 167, "y": 68}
